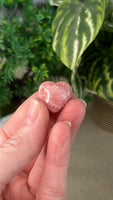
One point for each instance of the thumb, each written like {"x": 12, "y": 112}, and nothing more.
{"x": 20, "y": 149}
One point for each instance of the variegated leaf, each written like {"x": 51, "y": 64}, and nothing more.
{"x": 75, "y": 26}
{"x": 100, "y": 77}
{"x": 55, "y": 2}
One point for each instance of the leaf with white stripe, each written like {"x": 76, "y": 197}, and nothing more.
{"x": 55, "y": 2}
{"x": 75, "y": 26}
{"x": 100, "y": 77}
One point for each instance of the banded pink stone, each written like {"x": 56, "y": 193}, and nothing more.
{"x": 55, "y": 95}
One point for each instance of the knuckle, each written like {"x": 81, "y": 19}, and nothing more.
{"x": 56, "y": 164}
{"x": 50, "y": 192}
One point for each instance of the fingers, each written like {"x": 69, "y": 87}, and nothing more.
{"x": 74, "y": 112}
{"x": 17, "y": 189}
{"x": 37, "y": 170}
{"x": 53, "y": 183}
{"x": 20, "y": 149}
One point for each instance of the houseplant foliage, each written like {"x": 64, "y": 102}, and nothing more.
{"x": 97, "y": 61}
{"x": 75, "y": 26}
{"x": 25, "y": 40}
{"x": 82, "y": 38}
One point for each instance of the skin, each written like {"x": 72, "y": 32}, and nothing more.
{"x": 35, "y": 149}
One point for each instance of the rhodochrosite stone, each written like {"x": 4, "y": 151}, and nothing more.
{"x": 55, "y": 95}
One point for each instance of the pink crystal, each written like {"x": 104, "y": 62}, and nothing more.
{"x": 55, "y": 95}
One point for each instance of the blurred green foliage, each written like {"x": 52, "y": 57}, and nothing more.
{"x": 96, "y": 67}
{"x": 25, "y": 40}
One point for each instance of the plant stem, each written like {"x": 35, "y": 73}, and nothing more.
{"x": 76, "y": 81}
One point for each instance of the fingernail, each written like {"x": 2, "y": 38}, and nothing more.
{"x": 68, "y": 122}
{"x": 83, "y": 102}
{"x": 33, "y": 112}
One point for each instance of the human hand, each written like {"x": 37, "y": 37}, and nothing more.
{"x": 34, "y": 156}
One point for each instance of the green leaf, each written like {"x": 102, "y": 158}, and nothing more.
{"x": 1, "y": 38}
{"x": 55, "y": 2}
{"x": 2, "y": 47}
{"x": 100, "y": 77}
{"x": 5, "y": 94}
{"x": 75, "y": 26}
{"x": 34, "y": 69}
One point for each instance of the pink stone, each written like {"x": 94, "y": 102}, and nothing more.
{"x": 55, "y": 95}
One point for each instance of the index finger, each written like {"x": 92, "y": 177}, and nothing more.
{"x": 54, "y": 179}
{"x": 16, "y": 120}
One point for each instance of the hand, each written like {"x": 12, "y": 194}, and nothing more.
{"x": 35, "y": 149}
